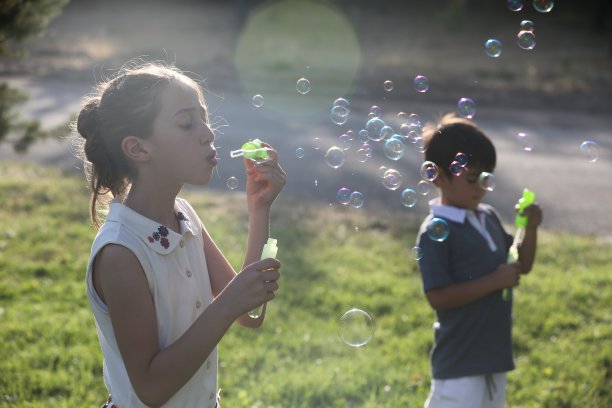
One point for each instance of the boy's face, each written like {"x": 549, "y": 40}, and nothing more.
{"x": 463, "y": 191}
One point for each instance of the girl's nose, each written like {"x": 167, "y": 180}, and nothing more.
{"x": 208, "y": 137}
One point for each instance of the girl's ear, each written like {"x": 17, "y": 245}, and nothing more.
{"x": 135, "y": 149}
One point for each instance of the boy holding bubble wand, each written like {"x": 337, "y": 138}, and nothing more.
{"x": 464, "y": 268}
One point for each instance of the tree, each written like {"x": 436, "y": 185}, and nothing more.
{"x": 19, "y": 21}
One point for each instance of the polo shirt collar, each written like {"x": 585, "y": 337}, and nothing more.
{"x": 156, "y": 236}
{"x": 452, "y": 213}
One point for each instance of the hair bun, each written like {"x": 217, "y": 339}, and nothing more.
{"x": 88, "y": 121}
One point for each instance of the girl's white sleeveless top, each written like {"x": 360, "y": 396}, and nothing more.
{"x": 176, "y": 271}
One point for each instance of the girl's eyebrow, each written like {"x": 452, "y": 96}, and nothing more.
{"x": 185, "y": 110}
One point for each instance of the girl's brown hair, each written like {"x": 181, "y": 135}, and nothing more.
{"x": 124, "y": 105}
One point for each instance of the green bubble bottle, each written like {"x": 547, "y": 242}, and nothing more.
{"x": 269, "y": 251}
{"x": 253, "y": 150}
{"x": 520, "y": 222}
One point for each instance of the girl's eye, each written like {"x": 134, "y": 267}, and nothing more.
{"x": 186, "y": 126}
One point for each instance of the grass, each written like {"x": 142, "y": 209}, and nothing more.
{"x": 334, "y": 259}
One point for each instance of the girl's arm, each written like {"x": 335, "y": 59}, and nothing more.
{"x": 157, "y": 374}
{"x": 527, "y": 249}
{"x": 449, "y": 297}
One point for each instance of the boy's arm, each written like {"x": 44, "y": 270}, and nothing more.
{"x": 449, "y": 297}
{"x": 527, "y": 249}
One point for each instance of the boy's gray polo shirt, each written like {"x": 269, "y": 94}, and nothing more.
{"x": 475, "y": 338}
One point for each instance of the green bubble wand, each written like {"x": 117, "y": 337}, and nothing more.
{"x": 520, "y": 221}
{"x": 253, "y": 150}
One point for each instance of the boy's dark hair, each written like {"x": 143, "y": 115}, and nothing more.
{"x": 452, "y": 135}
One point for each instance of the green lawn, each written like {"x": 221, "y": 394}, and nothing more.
{"x": 333, "y": 260}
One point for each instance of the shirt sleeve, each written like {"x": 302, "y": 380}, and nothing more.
{"x": 434, "y": 264}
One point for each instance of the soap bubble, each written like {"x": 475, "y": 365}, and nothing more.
{"x": 417, "y": 253}
{"x": 409, "y": 198}
{"x": 423, "y": 187}
{"x": 413, "y": 137}
{"x": 526, "y": 40}
{"x": 374, "y": 126}
{"x": 487, "y": 181}
{"x": 303, "y": 86}
{"x": 386, "y": 132}
{"x": 515, "y": 5}
{"x": 466, "y": 107}
{"x": 429, "y": 170}
{"x": 394, "y": 149}
{"x": 356, "y": 199}
{"x": 421, "y": 83}
{"x": 524, "y": 141}
{"x": 462, "y": 158}
{"x": 493, "y": 48}
{"x": 344, "y": 196}
{"x": 364, "y": 153}
{"x": 392, "y": 179}
{"x": 356, "y": 327}
{"x": 345, "y": 141}
{"x": 350, "y": 134}
{"x": 258, "y": 101}
{"x": 414, "y": 120}
{"x": 381, "y": 171}
{"x": 543, "y": 6}
{"x": 456, "y": 168}
{"x": 363, "y": 136}
{"x": 334, "y": 157}
{"x": 299, "y": 152}
{"x": 527, "y": 25}
{"x": 375, "y": 111}
{"x": 316, "y": 143}
{"x": 590, "y": 150}
{"x": 232, "y": 183}
{"x": 388, "y": 85}
{"x": 437, "y": 229}
{"x": 419, "y": 144}
{"x": 342, "y": 102}
{"x": 339, "y": 115}
{"x": 402, "y": 118}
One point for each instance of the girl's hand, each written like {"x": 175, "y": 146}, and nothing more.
{"x": 265, "y": 180}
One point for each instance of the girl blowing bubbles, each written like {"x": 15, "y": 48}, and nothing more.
{"x": 162, "y": 293}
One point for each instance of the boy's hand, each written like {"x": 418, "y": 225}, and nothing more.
{"x": 508, "y": 275}
{"x": 534, "y": 215}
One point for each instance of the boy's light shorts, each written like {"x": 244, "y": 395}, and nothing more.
{"x": 480, "y": 391}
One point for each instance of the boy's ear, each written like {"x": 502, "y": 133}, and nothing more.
{"x": 135, "y": 148}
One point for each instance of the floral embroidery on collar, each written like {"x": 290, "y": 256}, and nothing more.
{"x": 160, "y": 235}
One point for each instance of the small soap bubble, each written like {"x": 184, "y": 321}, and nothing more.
{"x": 342, "y": 102}
{"x": 527, "y": 25}
{"x": 419, "y": 144}
{"x": 524, "y": 141}
{"x": 392, "y": 179}
{"x": 374, "y": 127}
{"x": 413, "y": 137}
{"x": 429, "y": 170}
{"x": 364, "y": 153}
{"x": 456, "y": 168}
{"x": 543, "y": 6}
{"x": 381, "y": 171}
{"x": 515, "y": 5}
{"x": 344, "y": 196}
{"x": 493, "y": 48}
{"x": 423, "y": 187}
{"x": 590, "y": 150}
{"x": 363, "y": 136}
{"x": 258, "y": 101}
{"x": 409, "y": 198}
{"x": 356, "y": 327}
{"x": 417, "y": 253}
{"x": 421, "y": 83}
{"x": 345, "y": 141}
{"x": 303, "y": 86}
{"x": 394, "y": 149}
{"x": 402, "y": 118}
{"x": 316, "y": 143}
{"x": 462, "y": 158}
{"x": 414, "y": 120}
{"x": 466, "y": 108}
{"x": 386, "y": 132}
{"x": 388, "y": 85}
{"x": 299, "y": 152}
{"x": 339, "y": 115}
{"x": 350, "y": 134}
{"x": 334, "y": 157}
{"x": 526, "y": 40}
{"x": 356, "y": 199}
{"x": 437, "y": 229}
{"x": 375, "y": 111}
{"x": 487, "y": 181}
{"x": 232, "y": 183}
